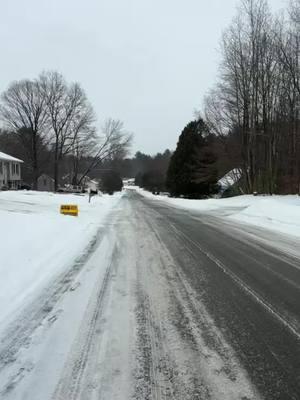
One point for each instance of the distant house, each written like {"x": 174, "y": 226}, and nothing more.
{"x": 70, "y": 179}
{"x": 230, "y": 180}
{"x": 129, "y": 181}
{"x": 45, "y": 183}
{"x": 10, "y": 171}
{"x": 92, "y": 185}
{"x": 85, "y": 183}
{"x": 80, "y": 182}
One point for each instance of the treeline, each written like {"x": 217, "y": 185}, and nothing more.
{"x": 149, "y": 171}
{"x": 254, "y": 109}
{"x": 251, "y": 118}
{"x": 51, "y": 125}
{"x": 152, "y": 171}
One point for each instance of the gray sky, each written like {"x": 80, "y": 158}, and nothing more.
{"x": 146, "y": 62}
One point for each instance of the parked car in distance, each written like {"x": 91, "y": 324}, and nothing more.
{"x": 24, "y": 186}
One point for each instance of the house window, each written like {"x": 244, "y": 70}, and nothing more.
{"x": 17, "y": 169}
{"x": 1, "y": 168}
{"x": 45, "y": 182}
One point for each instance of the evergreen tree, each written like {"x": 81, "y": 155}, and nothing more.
{"x": 111, "y": 182}
{"x": 192, "y": 171}
{"x": 153, "y": 181}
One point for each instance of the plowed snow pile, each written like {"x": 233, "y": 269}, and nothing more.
{"x": 281, "y": 213}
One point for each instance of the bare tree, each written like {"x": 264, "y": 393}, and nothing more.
{"x": 82, "y": 148}
{"x": 288, "y": 45}
{"x": 114, "y": 142}
{"x": 23, "y": 111}
{"x": 257, "y": 99}
{"x": 70, "y": 114}
{"x": 51, "y": 116}
{"x": 246, "y": 97}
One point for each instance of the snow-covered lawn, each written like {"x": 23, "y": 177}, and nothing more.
{"x": 278, "y": 213}
{"x": 37, "y": 242}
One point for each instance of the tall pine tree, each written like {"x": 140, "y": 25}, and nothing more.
{"x": 192, "y": 171}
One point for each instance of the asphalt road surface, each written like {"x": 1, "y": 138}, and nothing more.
{"x": 185, "y": 306}
{"x": 249, "y": 287}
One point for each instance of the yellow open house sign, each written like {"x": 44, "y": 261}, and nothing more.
{"x": 69, "y": 209}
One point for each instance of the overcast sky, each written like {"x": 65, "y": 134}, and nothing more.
{"x": 146, "y": 62}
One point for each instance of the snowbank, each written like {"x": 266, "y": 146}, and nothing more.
{"x": 36, "y": 242}
{"x": 279, "y": 213}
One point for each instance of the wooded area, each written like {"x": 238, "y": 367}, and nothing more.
{"x": 254, "y": 109}
{"x": 251, "y": 119}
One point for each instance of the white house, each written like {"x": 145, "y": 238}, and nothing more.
{"x": 231, "y": 178}
{"x": 10, "y": 171}
{"x": 92, "y": 184}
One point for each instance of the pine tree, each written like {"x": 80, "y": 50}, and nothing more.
{"x": 192, "y": 171}
{"x": 111, "y": 182}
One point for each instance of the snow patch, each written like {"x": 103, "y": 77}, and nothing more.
{"x": 37, "y": 242}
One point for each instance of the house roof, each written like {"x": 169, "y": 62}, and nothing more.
{"x": 230, "y": 178}
{"x": 79, "y": 176}
{"x": 7, "y": 157}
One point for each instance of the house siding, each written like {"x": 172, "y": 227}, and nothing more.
{"x": 45, "y": 183}
{"x": 10, "y": 173}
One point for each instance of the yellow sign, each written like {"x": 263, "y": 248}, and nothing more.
{"x": 69, "y": 209}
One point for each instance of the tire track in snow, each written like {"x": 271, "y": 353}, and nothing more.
{"x": 153, "y": 374}
{"x": 40, "y": 312}
{"x": 72, "y": 383}
{"x": 154, "y": 370}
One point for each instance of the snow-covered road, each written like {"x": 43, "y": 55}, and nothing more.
{"x": 149, "y": 312}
